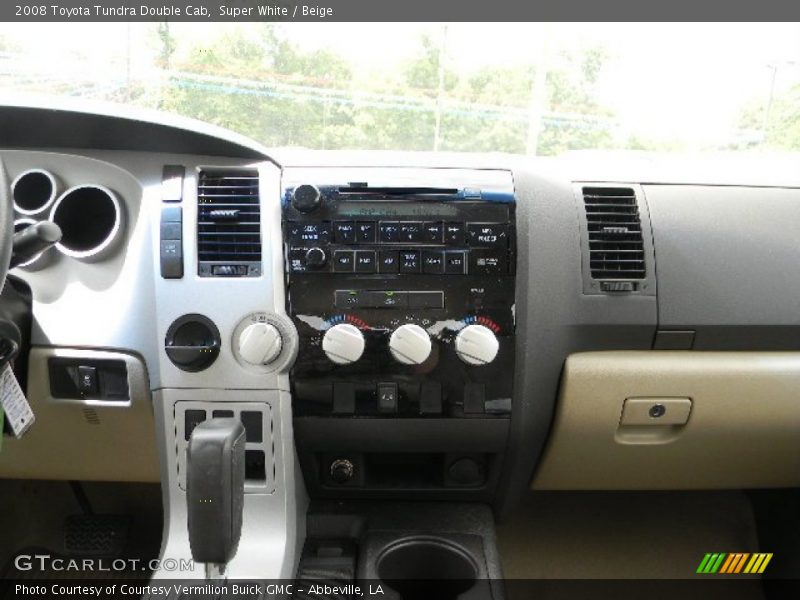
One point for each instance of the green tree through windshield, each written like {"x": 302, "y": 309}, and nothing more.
{"x": 545, "y": 97}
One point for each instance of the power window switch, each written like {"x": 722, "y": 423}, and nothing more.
{"x": 87, "y": 380}
{"x": 387, "y": 398}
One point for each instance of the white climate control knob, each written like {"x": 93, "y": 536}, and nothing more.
{"x": 343, "y": 343}
{"x": 260, "y": 343}
{"x": 410, "y": 344}
{"x": 477, "y": 345}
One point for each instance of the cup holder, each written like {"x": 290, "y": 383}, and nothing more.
{"x": 90, "y": 217}
{"x": 421, "y": 569}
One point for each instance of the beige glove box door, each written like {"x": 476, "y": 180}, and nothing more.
{"x": 727, "y": 420}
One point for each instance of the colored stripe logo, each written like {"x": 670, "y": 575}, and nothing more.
{"x": 734, "y": 563}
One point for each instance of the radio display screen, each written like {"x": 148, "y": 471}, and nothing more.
{"x": 397, "y": 209}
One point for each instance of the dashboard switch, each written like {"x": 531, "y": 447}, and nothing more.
{"x": 344, "y": 232}
{"x": 389, "y": 232}
{"x": 343, "y": 261}
{"x": 454, "y": 234}
{"x": 315, "y": 258}
{"x": 411, "y": 231}
{"x": 410, "y": 344}
{"x": 87, "y": 380}
{"x": 433, "y": 262}
{"x": 365, "y": 261}
{"x": 474, "y": 398}
{"x": 409, "y": 261}
{"x": 306, "y": 198}
{"x": 365, "y": 232}
{"x": 387, "y": 398}
{"x": 488, "y": 235}
{"x": 433, "y": 232}
{"x": 430, "y": 398}
{"x": 260, "y": 343}
{"x": 477, "y": 345}
{"x": 454, "y": 263}
{"x": 344, "y": 398}
{"x": 343, "y": 344}
{"x": 487, "y": 262}
{"x": 387, "y": 263}
{"x": 425, "y": 300}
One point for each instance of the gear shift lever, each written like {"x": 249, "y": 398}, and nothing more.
{"x": 215, "y": 491}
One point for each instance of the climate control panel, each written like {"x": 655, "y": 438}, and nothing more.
{"x": 402, "y": 295}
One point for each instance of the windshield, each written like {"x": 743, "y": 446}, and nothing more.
{"x": 541, "y": 89}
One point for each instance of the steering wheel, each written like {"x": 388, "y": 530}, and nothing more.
{"x": 6, "y": 224}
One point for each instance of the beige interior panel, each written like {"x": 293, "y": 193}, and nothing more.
{"x": 85, "y": 440}
{"x": 742, "y": 429}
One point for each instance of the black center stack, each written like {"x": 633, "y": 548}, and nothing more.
{"x": 400, "y": 283}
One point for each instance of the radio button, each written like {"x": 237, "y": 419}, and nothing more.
{"x": 314, "y": 233}
{"x": 487, "y": 262}
{"x": 432, "y": 232}
{"x": 344, "y": 232}
{"x": 348, "y": 299}
{"x": 297, "y": 260}
{"x": 425, "y": 299}
{"x": 410, "y": 231}
{"x": 315, "y": 258}
{"x": 389, "y": 232}
{"x": 409, "y": 261}
{"x": 365, "y": 233}
{"x": 343, "y": 261}
{"x": 389, "y": 299}
{"x": 487, "y": 235}
{"x": 387, "y": 263}
{"x": 454, "y": 263}
{"x": 454, "y": 234}
{"x": 365, "y": 261}
{"x": 432, "y": 262}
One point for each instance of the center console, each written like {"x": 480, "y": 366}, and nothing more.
{"x": 400, "y": 283}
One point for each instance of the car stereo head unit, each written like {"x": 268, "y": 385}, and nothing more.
{"x": 401, "y": 285}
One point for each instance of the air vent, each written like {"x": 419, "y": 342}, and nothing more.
{"x": 228, "y": 223}
{"x": 616, "y": 247}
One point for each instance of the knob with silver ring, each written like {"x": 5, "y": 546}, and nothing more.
{"x": 410, "y": 344}
{"x": 477, "y": 345}
{"x": 315, "y": 258}
{"x": 260, "y": 343}
{"x": 343, "y": 344}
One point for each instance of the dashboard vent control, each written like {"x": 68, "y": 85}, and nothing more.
{"x": 228, "y": 223}
{"x": 616, "y": 246}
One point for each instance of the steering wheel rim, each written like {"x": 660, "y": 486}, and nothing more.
{"x": 6, "y": 224}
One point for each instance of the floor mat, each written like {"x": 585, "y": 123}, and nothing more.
{"x": 597, "y": 535}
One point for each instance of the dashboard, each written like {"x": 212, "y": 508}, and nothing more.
{"x": 405, "y": 325}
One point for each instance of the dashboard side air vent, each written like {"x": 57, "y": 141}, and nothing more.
{"x": 614, "y": 234}
{"x": 228, "y": 223}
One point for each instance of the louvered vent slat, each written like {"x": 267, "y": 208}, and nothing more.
{"x": 616, "y": 247}
{"x": 228, "y": 221}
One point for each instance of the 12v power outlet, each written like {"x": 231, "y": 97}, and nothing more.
{"x": 192, "y": 343}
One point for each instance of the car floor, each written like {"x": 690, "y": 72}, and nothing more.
{"x": 36, "y": 513}
{"x": 623, "y": 536}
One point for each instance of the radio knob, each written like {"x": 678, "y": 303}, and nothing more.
{"x": 316, "y": 258}
{"x": 410, "y": 344}
{"x": 260, "y": 343}
{"x": 343, "y": 343}
{"x": 477, "y": 345}
{"x": 306, "y": 198}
